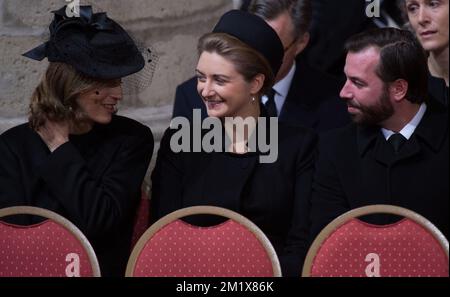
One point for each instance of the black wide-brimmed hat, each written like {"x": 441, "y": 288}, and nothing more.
{"x": 92, "y": 43}
{"x": 256, "y": 33}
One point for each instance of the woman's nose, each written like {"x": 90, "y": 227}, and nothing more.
{"x": 207, "y": 90}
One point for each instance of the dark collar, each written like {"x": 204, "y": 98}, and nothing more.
{"x": 432, "y": 130}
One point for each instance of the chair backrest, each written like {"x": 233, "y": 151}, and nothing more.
{"x": 348, "y": 247}
{"x": 172, "y": 247}
{"x": 52, "y": 248}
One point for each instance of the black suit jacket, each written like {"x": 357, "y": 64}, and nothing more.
{"x": 313, "y": 100}
{"x": 94, "y": 181}
{"x": 273, "y": 196}
{"x": 357, "y": 167}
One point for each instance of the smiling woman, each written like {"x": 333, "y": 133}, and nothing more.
{"x": 75, "y": 156}
{"x": 85, "y": 100}
{"x": 237, "y": 65}
{"x": 231, "y": 76}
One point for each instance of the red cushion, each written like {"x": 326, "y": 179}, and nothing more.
{"x": 358, "y": 249}
{"x": 43, "y": 250}
{"x": 181, "y": 250}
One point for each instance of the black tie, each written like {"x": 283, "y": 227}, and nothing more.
{"x": 270, "y": 105}
{"x": 397, "y": 140}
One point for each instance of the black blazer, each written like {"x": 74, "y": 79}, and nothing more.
{"x": 273, "y": 196}
{"x": 357, "y": 167}
{"x": 94, "y": 181}
{"x": 313, "y": 101}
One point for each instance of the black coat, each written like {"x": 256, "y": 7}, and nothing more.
{"x": 438, "y": 90}
{"x": 94, "y": 181}
{"x": 357, "y": 167}
{"x": 313, "y": 101}
{"x": 273, "y": 196}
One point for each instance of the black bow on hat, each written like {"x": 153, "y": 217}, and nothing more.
{"x": 92, "y": 43}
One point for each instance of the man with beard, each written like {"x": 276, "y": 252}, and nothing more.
{"x": 396, "y": 150}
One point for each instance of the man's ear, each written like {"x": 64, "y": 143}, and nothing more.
{"x": 302, "y": 43}
{"x": 398, "y": 89}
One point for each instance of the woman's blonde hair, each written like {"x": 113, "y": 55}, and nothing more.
{"x": 55, "y": 96}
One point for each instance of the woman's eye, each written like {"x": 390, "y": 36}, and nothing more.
{"x": 411, "y": 8}
{"x": 434, "y": 4}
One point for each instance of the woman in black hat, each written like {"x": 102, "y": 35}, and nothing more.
{"x": 237, "y": 65}
{"x": 75, "y": 156}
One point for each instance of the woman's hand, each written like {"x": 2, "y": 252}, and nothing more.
{"x": 54, "y": 134}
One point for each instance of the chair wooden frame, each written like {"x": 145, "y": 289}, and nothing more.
{"x": 36, "y": 211}
{"x": 368, "y": 210}
{"x": 208, "y": 210}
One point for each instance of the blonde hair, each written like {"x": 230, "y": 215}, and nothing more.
{"x": 55, "y": 96}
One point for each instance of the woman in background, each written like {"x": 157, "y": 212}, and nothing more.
{"x": 429, "y": 20}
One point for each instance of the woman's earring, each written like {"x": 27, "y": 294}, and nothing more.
{"x": 253, "y": 99}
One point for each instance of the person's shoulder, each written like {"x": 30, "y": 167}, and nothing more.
{"x": 296, "y": 135}
{"x": 289, "y": 130}
{"x": 17, "y": 133}
{"x": 338, "y": 136}
{"x": 190, "y": 84}
{"x": 436, "y": 107}
{"x": 130, "y": 127}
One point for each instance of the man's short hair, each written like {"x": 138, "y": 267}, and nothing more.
{"x": 401, "y": 57}
{"x": 299, "y": 10}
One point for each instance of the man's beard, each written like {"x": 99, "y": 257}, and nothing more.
{"x": 375, "y": 114}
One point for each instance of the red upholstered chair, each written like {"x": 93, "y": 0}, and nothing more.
{"x": 52, "y": 248}
{"x": 172, "y": 247}
{"x": 348, "y": 247}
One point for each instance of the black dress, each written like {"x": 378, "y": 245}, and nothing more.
{"x": 274, "y": 196}
{"x": 94, "y": 180}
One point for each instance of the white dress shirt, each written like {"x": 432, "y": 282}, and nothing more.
{"x": 409, "y": 129}
{"x": 282, "y": 89}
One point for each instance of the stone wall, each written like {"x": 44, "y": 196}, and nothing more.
{"x": 171, "y": 27}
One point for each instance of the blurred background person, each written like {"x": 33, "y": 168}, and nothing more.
{"x": 429, "y": 20}
{"x": 333, "y": 22}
